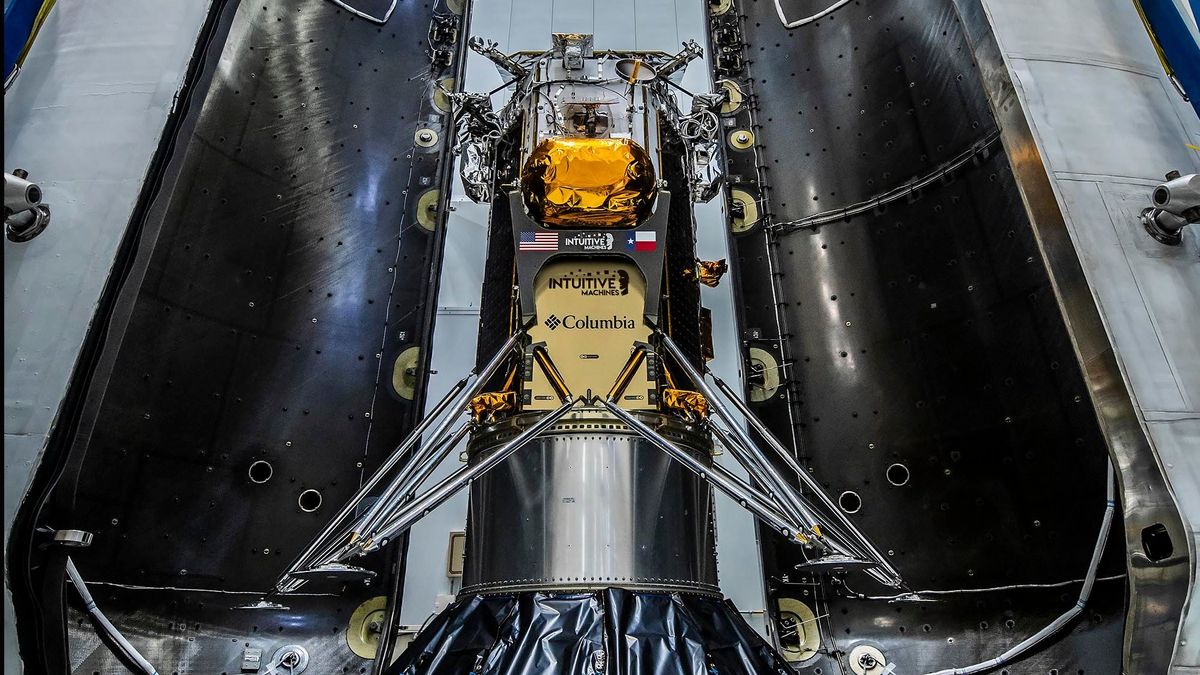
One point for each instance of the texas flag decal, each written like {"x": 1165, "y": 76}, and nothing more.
{"x": 642, "y": 241}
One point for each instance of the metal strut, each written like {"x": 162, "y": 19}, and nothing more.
{"x": 414, "y": 511}
{"x": 846, "y": 543}
{"x": 738, "y": 490}
{"x": 337, "y": 534}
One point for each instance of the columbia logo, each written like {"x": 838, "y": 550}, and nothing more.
{"x": 552, "y": 322}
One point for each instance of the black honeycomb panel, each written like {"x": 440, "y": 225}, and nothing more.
{"x": 281, "y": 273}
{"x": 683, "y": 303}
{"x": 923, "y": 332}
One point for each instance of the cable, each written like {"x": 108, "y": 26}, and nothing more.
{"x": 918, "y": 596}
{"x": 361, "y": 14}
{"x": 90, "y": 605}
{"x": 899, "y": 192}
{"x": 1054, "y": 626}
{"x": 808, "y": 19}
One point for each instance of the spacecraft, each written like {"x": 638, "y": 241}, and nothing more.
{"x": 592, "y": 424}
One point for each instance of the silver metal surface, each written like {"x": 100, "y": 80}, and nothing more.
{"x": 1065, "y": 80}
{"x": 597, "y": 505}
{"x": 73, "y": 538}
{"x": 291, "y": 659}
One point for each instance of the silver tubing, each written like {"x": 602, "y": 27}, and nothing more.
{"x": 398, "y": 492}
{"x": 351, "y": 504}
{"x": 751, "y": 492}
{"x": 90, "y": 605}
{"x": 456, "y": 398}
{"x": 743, "y": 494}
{"x": 393, "y": 493}
{"x": 789, "y": 495}
{"x": 434, "y": 497}
{"x": 753, "y": 462}
{"x": 744, "y": 460}
{"x": 803, "y": 475}
{"x": 831, "y": 536}
{"x": 427, "y": 470}
{"x": 410, "y": 467}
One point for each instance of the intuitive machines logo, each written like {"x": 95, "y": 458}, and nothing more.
{"x": 605, "y": 282}
{"x": 589, "y": 241}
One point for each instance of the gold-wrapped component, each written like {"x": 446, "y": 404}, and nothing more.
{"x": 486, "y": 405}
{"x": 588, "y": 182}
{"x": 708, "y": 272}
{"x": 692, "y": 403}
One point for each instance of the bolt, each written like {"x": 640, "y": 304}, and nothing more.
{"x": 425, "y": 136}
{"x": 741, "y": 137}
{"x": 867, "y": 661}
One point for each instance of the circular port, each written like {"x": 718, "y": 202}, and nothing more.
{"x": 897, "y": 474}
{"x": 261, "y": 472}
{"x": 310, "y": 500}
{"x": 850, "y": 501}
{"x": 1161, "y": 196}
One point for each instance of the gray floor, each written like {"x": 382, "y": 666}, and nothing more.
{"x": 526, "y": 25}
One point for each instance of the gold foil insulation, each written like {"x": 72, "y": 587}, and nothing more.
{"x": 691, "y": 403}
{"x": 485, "y": 406}
{"x": 588, "y": 182}
{"x": 707, "y": 272}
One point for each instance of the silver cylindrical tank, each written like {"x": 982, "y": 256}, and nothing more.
{"x": 590, "y": 505}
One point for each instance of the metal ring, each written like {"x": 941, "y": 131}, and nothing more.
{"x": 898, "y": 474}
{"x": 306, "y": 503}
{"x": 260, "y": 471}
{"x": 850, "y": 501}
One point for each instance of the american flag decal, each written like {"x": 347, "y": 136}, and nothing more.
{"x": 539, "y": 241}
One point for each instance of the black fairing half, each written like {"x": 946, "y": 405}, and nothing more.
{"x": 923, "y": 332}
{"x": 275, "y": 272}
